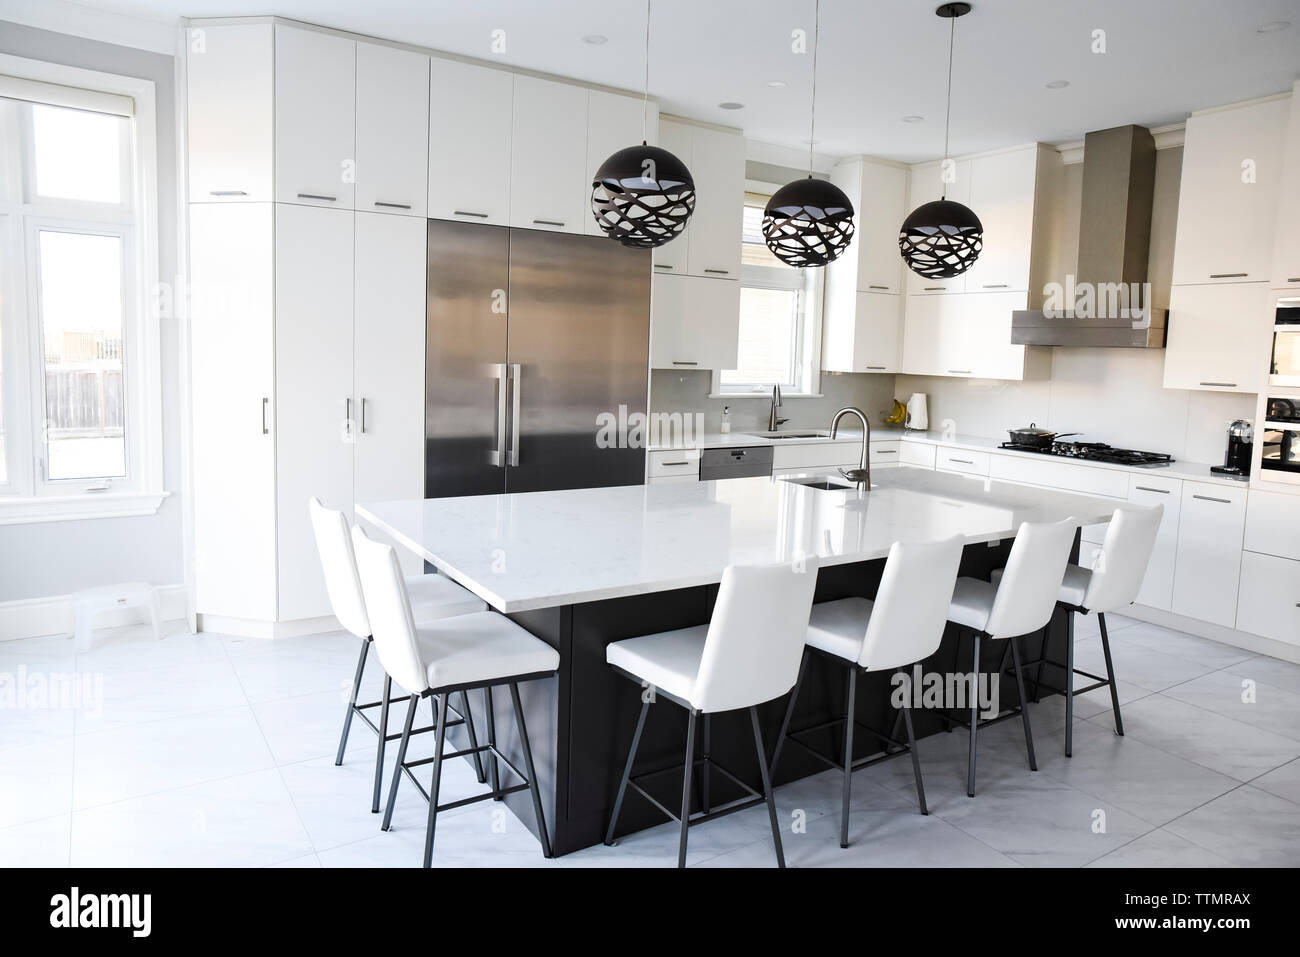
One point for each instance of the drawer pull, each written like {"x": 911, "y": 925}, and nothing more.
{"x": 548, "y": 222}
{"x": 962, "y": 461}
{"x": 934, "y": 288}
{"x": 719, "y": 272}
{"x": 320, "y": 196}
{"x": 1294, "y": 279}
{"x": 1221, "y": 385}
{"x": 1211, "y": 498}
{"x": 877, "y": 368}
{"x": 1228, "y": 275}
{"x": 674, "y": 463}
{"x": 873, "y": 286}
{"x": 995, "y": 285}
{"x": 959, "y": 371}
{"x": 684, "y": 362}
{"x": 467, "y": 212}
{"x": 393, "y": 205}
{"x": 886, "y": 452}
{"x": 1148, "y": 488}
{"x": 226, "y": 192}
{"x": 662, "y": 266}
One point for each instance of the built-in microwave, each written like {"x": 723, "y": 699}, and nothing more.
{"x": 1280, "y": 439}
{"x": 1285, "y": 365}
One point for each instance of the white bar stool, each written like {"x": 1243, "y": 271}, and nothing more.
{"x": 1020, "y": 604}
{"x": 1112, "y": 582}
{"x": 93, "y": 601}
{"x": 748, "y": 653}
{"x": 479, "y": 650}
{"x": 432, "y": 597}
{"x": 902, "y": 626}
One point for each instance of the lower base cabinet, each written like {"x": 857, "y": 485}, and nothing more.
{"x": 1269, "y": 601}
{"x": 1158, "y": 585}
{"x": 1208, "y": 562}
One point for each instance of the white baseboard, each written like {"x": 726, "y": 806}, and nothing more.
{"x": 34, "y": 617}
{"x": 254, "y": 628}
{"x": 1205, "y": 629}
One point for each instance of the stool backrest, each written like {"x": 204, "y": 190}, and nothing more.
{"x": 391, "y": 621}
{"x": 334, "y": 545}
{"x": 911, "y": 606}
{"x": 1031, "y": 583}
{"x": 1120, "y": 566}
{"x": 756, "y": 636}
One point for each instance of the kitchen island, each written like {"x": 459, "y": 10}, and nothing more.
{"x": 583, "y": 568}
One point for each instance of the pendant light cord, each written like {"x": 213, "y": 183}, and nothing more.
{"x": 947, "y": 116}
{"x": 812, "y": 113}
{"x": 645, "y": 89}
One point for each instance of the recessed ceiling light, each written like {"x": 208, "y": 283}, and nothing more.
{"x": 595, "y": 39}
{"x": 731, "y": 106}
{"x": 913, "y": 118}
{"x": 776, "y": 84}
{"x": 1273, "y": 26}
{"x": 1058, "y": 84}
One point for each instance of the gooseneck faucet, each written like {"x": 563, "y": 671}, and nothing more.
{"x": 773, "y": 423}
{"x": 862, "y": 474}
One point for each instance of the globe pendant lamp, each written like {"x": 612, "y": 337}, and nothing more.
{"x": 643, "y": 196}
{"x": 942, "y": 239}
{"x": 809, "y": 222}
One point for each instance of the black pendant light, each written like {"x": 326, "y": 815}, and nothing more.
{"x": 809, "y": 222}
{"x": 642, "y": 196}
{"x": 942, "y": 239}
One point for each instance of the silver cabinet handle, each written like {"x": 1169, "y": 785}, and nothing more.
{"x": 1148, "y": 488}
{"x": 662, "y": 266}
{"x": 962, "y": 461}
{"x": 467, "y": 212}
{"x": 1294, "y": 279}
{"x": 719, "y": 272}
{"x": 327, "y": 199}
{"x": 227, "y": 192}
{"x": 876, "y": 368}
{"x": 934, "y": 288}
{"x": 516, "y": 375}
{"x": 873, "y": 286}
{"x": 364, "y": 400}
{"x": 497, "y": 455}
{"x": 890, "y": 452}
{"x": 347, "y": 415}
{"x": 1222, "y": 385}
{"x": 995, "y": 285}
{"x": 1211, "y": 498}
{"x": 959, "y": 371}
{"x": 265, "y": 402}
{"x": 548, "y": 222}
{"x": 684, "y": 362}
{"x": 393, "y": 205}
{"x": 674, "y": 463}
{"x": 1229, "y": 275}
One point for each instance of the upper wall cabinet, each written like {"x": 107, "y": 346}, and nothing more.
{"x": 1286, "y": 237}
{"x": 694, "y": 323}
{"x": 230, "y": 83}
{"x": 1231, "y": 183}
{"x": 1218, "y": 337}
{"x": 968, "y": 335}
{"x": 926, "y": 185}
{"x": 315, "y": 118}
{"x": 392, "y": 130}
{"x": 614, "y": 122}
{"x": 470, "y": 109}
{"x": 678, "y": 139}
{"x": 710, "y": 245}
{"x": 548, "y": 179}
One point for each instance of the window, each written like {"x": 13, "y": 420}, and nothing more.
{"x": 779, "y": 312}
{"x": 79, "y": 409}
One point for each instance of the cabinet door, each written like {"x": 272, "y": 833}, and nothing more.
{"x": 313, "y": 384}
{"x": 694, "y": 323}
{"x": 231, "y": 116}
{"x": 388, "y": 369}
{"x": 1231, "y": 178}
{"x": 392, "y": 130}
{"x": 967, "y": 335}
{"x": 923, "y": 336}
{"x": 671, "y": 257}
{"x": 315, "y": 118}
{"x": 614, "y": 122}
{"x": 1158, "y": 585}
{"x": 1286, "y": 237}
{"x": 1218, "y": 337}
{"x": 881, "y": 204}
{"x": 232, "y": 382}
{"x": 1002, "y": 194}
{"x": 1270, "y": 597}
{"x": 719, "y": 170}
{"x": 878, "y": 331}
{"x": 549, "y": 188}
{"x": 469, "y": 142}
{"x": 1209, "y": 552}
{"x": 926, "y": 185}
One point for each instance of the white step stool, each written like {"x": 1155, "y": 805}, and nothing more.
{"x": 86, "y": 604}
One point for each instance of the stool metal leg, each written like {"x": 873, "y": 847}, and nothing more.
{"x": 627, "y": 773}
{"x": 1069, "y": 692}
{"x": 473, "y": 738}
{"x": 686, "y": 788}
{"x": 789, "y": 713}
{"x": 437, "y": 780}
{"x": 974, "y": 715}
{"x": 412, "y": 707}
{"x": 848, "y": 753}
{"x": 533, "y": 788}
{"x": 767, "y": 787}
{"x": 1042, "y": 660}
{"x": 352, "y": 701}
{"x": 379, "y": 751}
{"x": 492, "y": 742}
{"x": 1024, "y": 704}
{"x": 1110, "y": 674}
{"x": 916, "y": 759}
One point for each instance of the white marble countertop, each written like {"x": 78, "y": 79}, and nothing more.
{"x": 531, "y": 550}
{"x": 727, "y": 440}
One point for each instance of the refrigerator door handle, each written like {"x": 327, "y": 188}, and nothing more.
{"x": 497, "y": 456}
{"x": 516, "y": 377}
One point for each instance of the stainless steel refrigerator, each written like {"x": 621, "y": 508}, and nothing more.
{"x": 531, "y": 338}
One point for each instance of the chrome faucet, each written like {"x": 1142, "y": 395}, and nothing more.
{"x": 773, "y": 423}
{"x": 862, "y": 474}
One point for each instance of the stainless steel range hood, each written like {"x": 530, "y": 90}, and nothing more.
{"x": 1106, "y": 304}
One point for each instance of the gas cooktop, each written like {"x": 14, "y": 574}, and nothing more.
{"x": 1096, "y": 452}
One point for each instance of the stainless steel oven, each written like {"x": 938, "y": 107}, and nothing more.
{"x": 1284, "y": 369}
{"x": 1280, "y": 439}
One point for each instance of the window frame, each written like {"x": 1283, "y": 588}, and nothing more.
{"x": 27, "y": 495}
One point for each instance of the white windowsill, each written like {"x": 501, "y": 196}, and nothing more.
{"x": 27, "y": 510}
{"x": 766, "y": 395}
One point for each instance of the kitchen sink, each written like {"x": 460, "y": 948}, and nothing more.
{"x": 825, "y": 485}
{"x": 788, "y": 435}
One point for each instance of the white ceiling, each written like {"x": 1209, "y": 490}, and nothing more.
{"x": 879, "y": 59}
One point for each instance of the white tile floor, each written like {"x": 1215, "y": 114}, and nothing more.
{"x": 215, "y": 751}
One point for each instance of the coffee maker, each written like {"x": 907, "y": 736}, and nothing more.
{"x": 1241, "y": 443}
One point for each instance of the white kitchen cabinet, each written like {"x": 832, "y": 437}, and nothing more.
{"x": 549, "y": 184}
{"x": 230, "y": 81}
{"x": 392, "y": 130}
{"x": 1043, "y": 472}
{"x": 1211, "y": 522}
{"x": 1002, "y": 193}
{"x": 673, "y": 463}
{"x": 694, "y": 323}
{"x": 948, "y": 459}
{"x": 816, "y": 455}
{"x": 1269, "y": 601}
{"x": 614, "y": 122}
{"x": 388, "y": 362}
{"x": 677, "y": 138}
{"x": 864, "y": 338}
{"x": 315, "y": 118}
{"x": 1219, "y": 337}
{"x": 1273, "y": 524}
{"x": 1286, "y": 236}
{"x": 926, "y": 185}
{"x": 968, "y": 335}
{"x": 470, "y": 123}
{"x": 878, "y": 192}
{"x": 713, "y": 233}
{"x": 1158, "y": 584}
{"x": 919, "y": 455}
{"x": 1231, "y": 183}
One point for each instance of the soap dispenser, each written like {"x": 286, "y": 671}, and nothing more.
{"x": 725, "y": 426}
